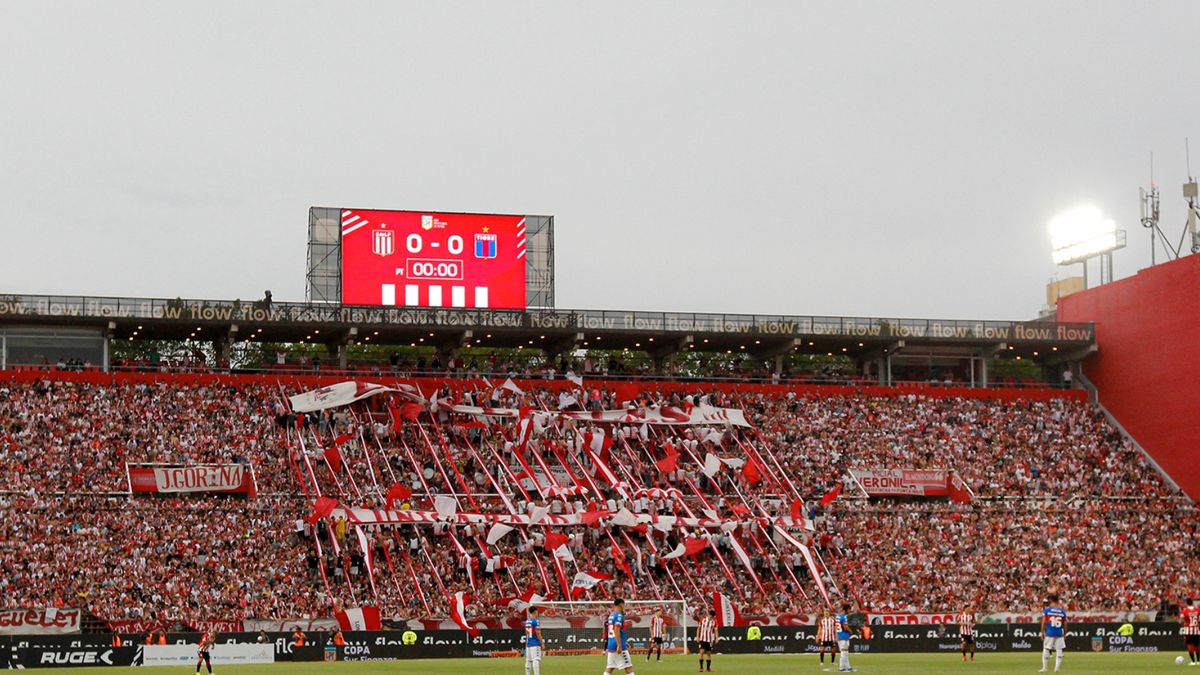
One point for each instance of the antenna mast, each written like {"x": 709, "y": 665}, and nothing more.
{"x": 1150, "y": 211}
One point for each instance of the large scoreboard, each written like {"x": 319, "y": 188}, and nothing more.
{"x": 427, "y": 259}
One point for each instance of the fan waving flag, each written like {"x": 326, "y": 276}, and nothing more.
{"x": 359, "y": 618}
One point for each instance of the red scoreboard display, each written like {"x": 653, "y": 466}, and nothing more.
{"x": 422, "y": 259}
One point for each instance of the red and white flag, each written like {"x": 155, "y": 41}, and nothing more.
{"x": 564, "y": 553}
{"x": 512, "y": 386}
{"x": 577, "y": 380}
{"x": 588, "y": 580}
{"x": 359, "y": 618}
{"x": 458, "y": 612}
{"x": 727, "y": 614}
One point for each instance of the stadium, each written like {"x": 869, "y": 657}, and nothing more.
{"x": 426, "y": 464}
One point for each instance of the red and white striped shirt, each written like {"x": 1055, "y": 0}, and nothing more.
{"x": 1190, "y": 618}
{"x": 827, "y": 629}
{"x": 966, "y": 623}
{"x": 656, "y": 626}
{"x": 707, "y": 631}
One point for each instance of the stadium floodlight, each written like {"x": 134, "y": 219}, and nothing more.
{"x": 1083, "y": 233}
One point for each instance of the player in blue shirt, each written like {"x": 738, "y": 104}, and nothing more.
{"x": 844, "y": 633}
{"x": 533, "y": 643}
{"x": 616, "y": 640}
{"x": 1054, "y": 631}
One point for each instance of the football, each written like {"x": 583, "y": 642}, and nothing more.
{"x": 1179, "y": 660}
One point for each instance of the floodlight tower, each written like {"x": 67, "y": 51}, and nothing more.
{"x": 1084, "y": 233}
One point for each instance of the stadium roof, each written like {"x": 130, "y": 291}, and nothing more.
{"x": 554, "y": 330}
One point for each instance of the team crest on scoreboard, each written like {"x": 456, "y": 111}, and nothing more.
{"x": 382, "y": 242}
{"x": 485, "y": 245}
{"x": 426, "y": 222}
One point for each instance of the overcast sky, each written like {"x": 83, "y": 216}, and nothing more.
{"x": 845, "y": 158}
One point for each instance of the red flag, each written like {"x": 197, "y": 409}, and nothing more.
{"x": 342, "y": 439}
{"x": 554, "y": 540}
{"x": 334, "y": 456}
{"x": 623, "y": 563}
{"x": 751, "y": 473}
{"x": 693, "y": 546}
{"x": 739, "y": 510}
{"x": 591, "y": 517}
{"x": 668, "y": 464}
{"x": 322, "y": 509}
{"x": 959, "y": 492}
{"x": 397, "y": 493}
{"x": 831, "y": 495}
{"x": 797, "y": 510}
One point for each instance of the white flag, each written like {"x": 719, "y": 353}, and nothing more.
{"x": 677, "y": 553}
{"x": 577, "y": 380}
{"x": 497, "y": 533}
{"x": 624, "y": 518}
{"x": 537, "y": 514}
{"x": 512, "y": 386}
{"x": 445, "y": 506}
{"x": 712, "y": 465}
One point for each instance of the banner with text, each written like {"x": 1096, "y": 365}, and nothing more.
{"x": 225, "y": 478}
{"x": 910, "y": 483}
{"x": 40, "y": 621}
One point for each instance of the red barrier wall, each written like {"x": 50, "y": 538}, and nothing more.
{"x": 1147, "y": 368}
{"x": 625, "y": 389}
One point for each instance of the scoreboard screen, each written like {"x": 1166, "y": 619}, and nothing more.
{"x": 422, "y": 259}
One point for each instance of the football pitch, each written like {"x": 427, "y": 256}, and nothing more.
{"x": 898, "y": 664}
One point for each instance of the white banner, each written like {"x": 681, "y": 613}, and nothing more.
{"x": 345, "y": 393}
{"x": 337, "y": 395}
{"x": 222, "y": 654}
{"x": 40, "y": 621}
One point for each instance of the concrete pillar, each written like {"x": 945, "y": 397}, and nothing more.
{"x": 983, "y": 370}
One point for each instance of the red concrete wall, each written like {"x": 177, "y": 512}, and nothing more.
{"x": 625, "y": 390}
{"x": 1147, "y": 369}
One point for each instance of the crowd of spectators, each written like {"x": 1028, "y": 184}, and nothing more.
{"x": 1061, "y": 500}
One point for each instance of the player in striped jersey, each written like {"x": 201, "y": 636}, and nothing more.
{"x": 827, "y": 634}
{"x": 1189, "y": 617}
{"x": 966, "y": 632}
{"x": 204, "y": 652}
{"x": 706, "y": 638}
{"x": 658, "y": 627}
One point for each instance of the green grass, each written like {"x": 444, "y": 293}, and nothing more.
{"x": 892, "y": 664}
